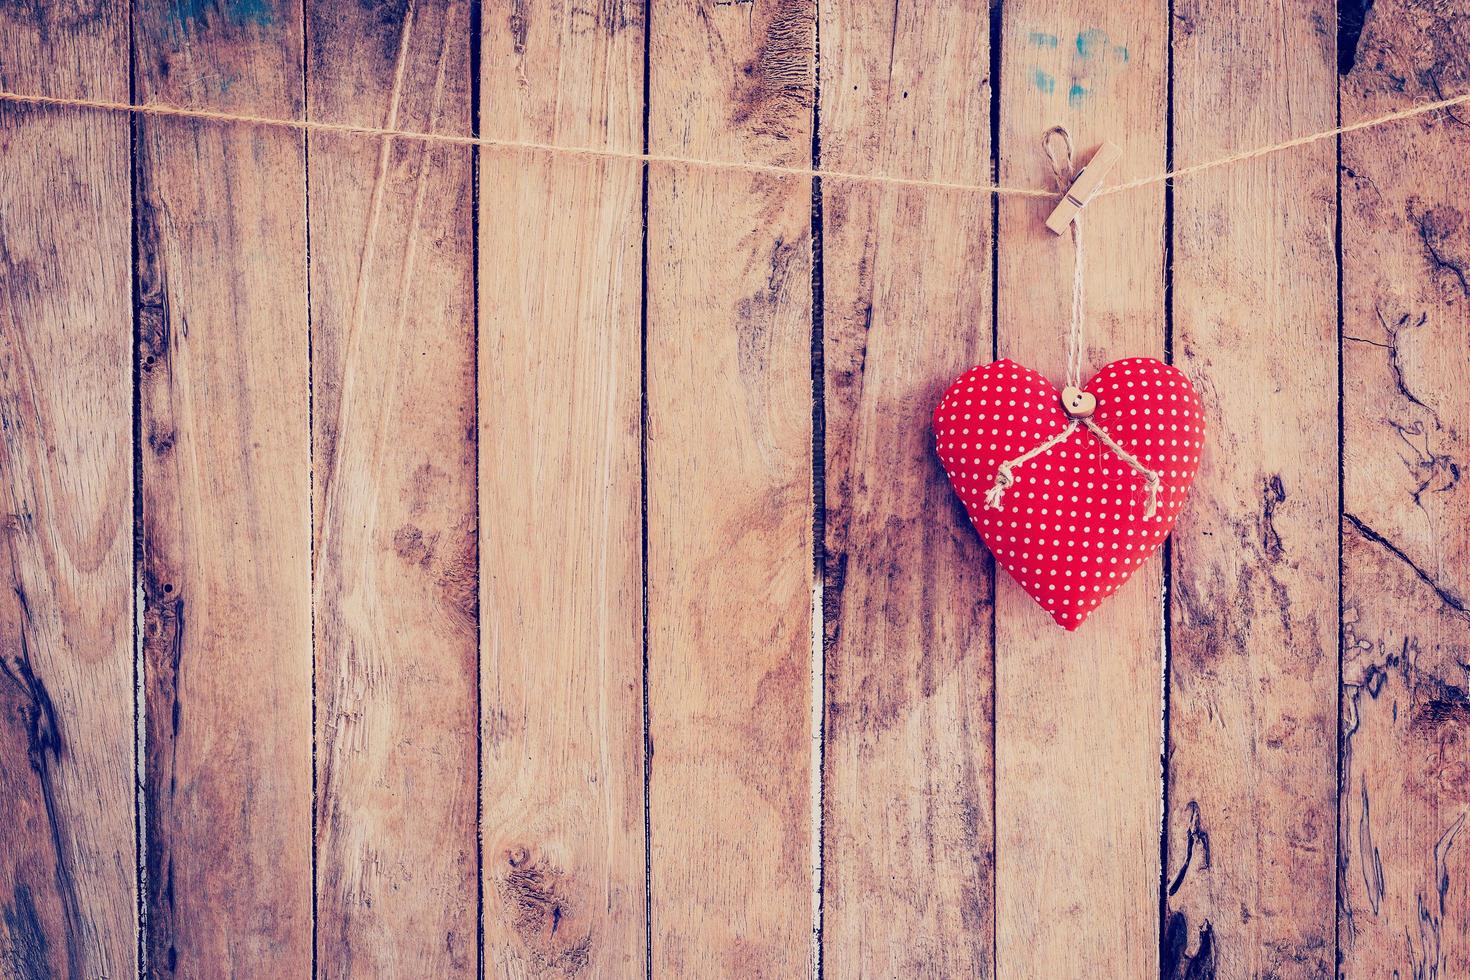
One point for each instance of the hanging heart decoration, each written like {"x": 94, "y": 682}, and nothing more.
{"x": 1071, "y": 491}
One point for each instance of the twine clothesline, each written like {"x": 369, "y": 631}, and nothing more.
{"x": 165, "y": 110}
{"x": 1063, "y": 168}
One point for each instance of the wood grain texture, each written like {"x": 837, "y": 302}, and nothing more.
{"x": 392, "y": 319}
{"x": 730, "y": 510}
{"x": 352, "y": 491}
{"x": 906, "y": 307}
{"x": 1077, "y": 715}
{"x": 561, "y": 571}
{"x": 1404, "y": 874}
{"x": 68, "y": 868}
{"x": 226, "y": 496}
{"x": 1252, "y": 759}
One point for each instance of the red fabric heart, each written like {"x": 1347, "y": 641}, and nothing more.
{"x": 1071, "y": 528}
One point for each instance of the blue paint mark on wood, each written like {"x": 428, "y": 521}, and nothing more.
{"x": 1091, "y": 42}
{"x": 1093, "y": 45}
{"x": 188, "y": 13}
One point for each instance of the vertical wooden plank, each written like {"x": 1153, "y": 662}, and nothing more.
{"x": 560, "y": 493}
{"x": 1253, "y": 703}
{"x": 1404, "y": 874}
{"x": 68, "y": 872}
{"x": 1077, "y": 715}
{"x": 730, "y": 563}
{"x": 907, "y": 860}
{"x": 226, "y": 497}
{"x": 392, "y": 319}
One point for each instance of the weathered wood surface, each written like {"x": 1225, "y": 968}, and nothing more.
{"x": 730, "y": 492}
{"x": 1077, "y": 715}
{"x": 600, "y": 495}
{"x": 907, "y": 816}
{"x": 1253, "y": 667}
{"x": 393, "y": 463}
{"x": 68, "y": 868}
{"x": 226, "y": 495}
{"x": 560, "y": 495}
{"x": 1403, "y": 851}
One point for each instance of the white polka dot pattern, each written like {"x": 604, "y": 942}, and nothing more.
{"x": 1071, "y": 529}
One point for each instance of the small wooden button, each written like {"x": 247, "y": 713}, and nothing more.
{"x": 1078, "y": 404}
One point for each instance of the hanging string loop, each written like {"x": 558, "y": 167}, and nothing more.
{"x": 1064, "y": 171}
{"x": 1057, "y": 145}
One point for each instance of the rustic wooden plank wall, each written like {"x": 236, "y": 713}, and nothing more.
{"x": 68, "y": 845}
{"x": 561, "y": 574}
{"x": 224, "y": 380}
{"x": 1404, "y": 865}
{"x": 729, "y": 524}
{"x": 391, "y": 279}
{"x": 1253, "y": 669}
{"x": 430, "y": 560}
{"x": 908, "y": 806}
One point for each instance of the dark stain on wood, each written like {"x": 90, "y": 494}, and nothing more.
{"x": 1198, "y": 613}
{"x": 1224, "y": 610}
{"x": 161, "y": 439}
{"x": 459, "y": 574}
{"x": 1195, "y": 837}
{"x": 1369, "y": 857}
{"x": 757, "y": 318}
{"x": 1393, "y": 331}
{"x": 1435, "y": 714}
{"x": 542, "y": 913}
{"x": 1273, "y": 494}
{"x": 25, "y": 955}
{"x": 834, "y": 581}
{"x": 1446, "y": 707}
{"x": 1177, "y": 962}
{"x": 1446, "y": 596}
{"x": 163, "y": 607}
{"x": 163, "y": 654}
{"x": 772, "y": 93}
{"x": 756, "y": 312}
{"x": 1310, "y": 958}
{"x": 1433, "y": 472}
{"x": 1440, "y": 230}
{"x": 843, "y": 355}
{"x": 519, "y": 23}
{"x": 150, "y": 309}
{"x": 1426, "y": 951}
{"x": 387, "y": 22}
{"x": 1351, "y": 15}
{"x": 29, "y": 700}
{"x": 410, "y": 544}
{"x": 43, "y": 734}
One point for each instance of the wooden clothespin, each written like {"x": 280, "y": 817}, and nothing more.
{"x": 1088, "y": 180}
